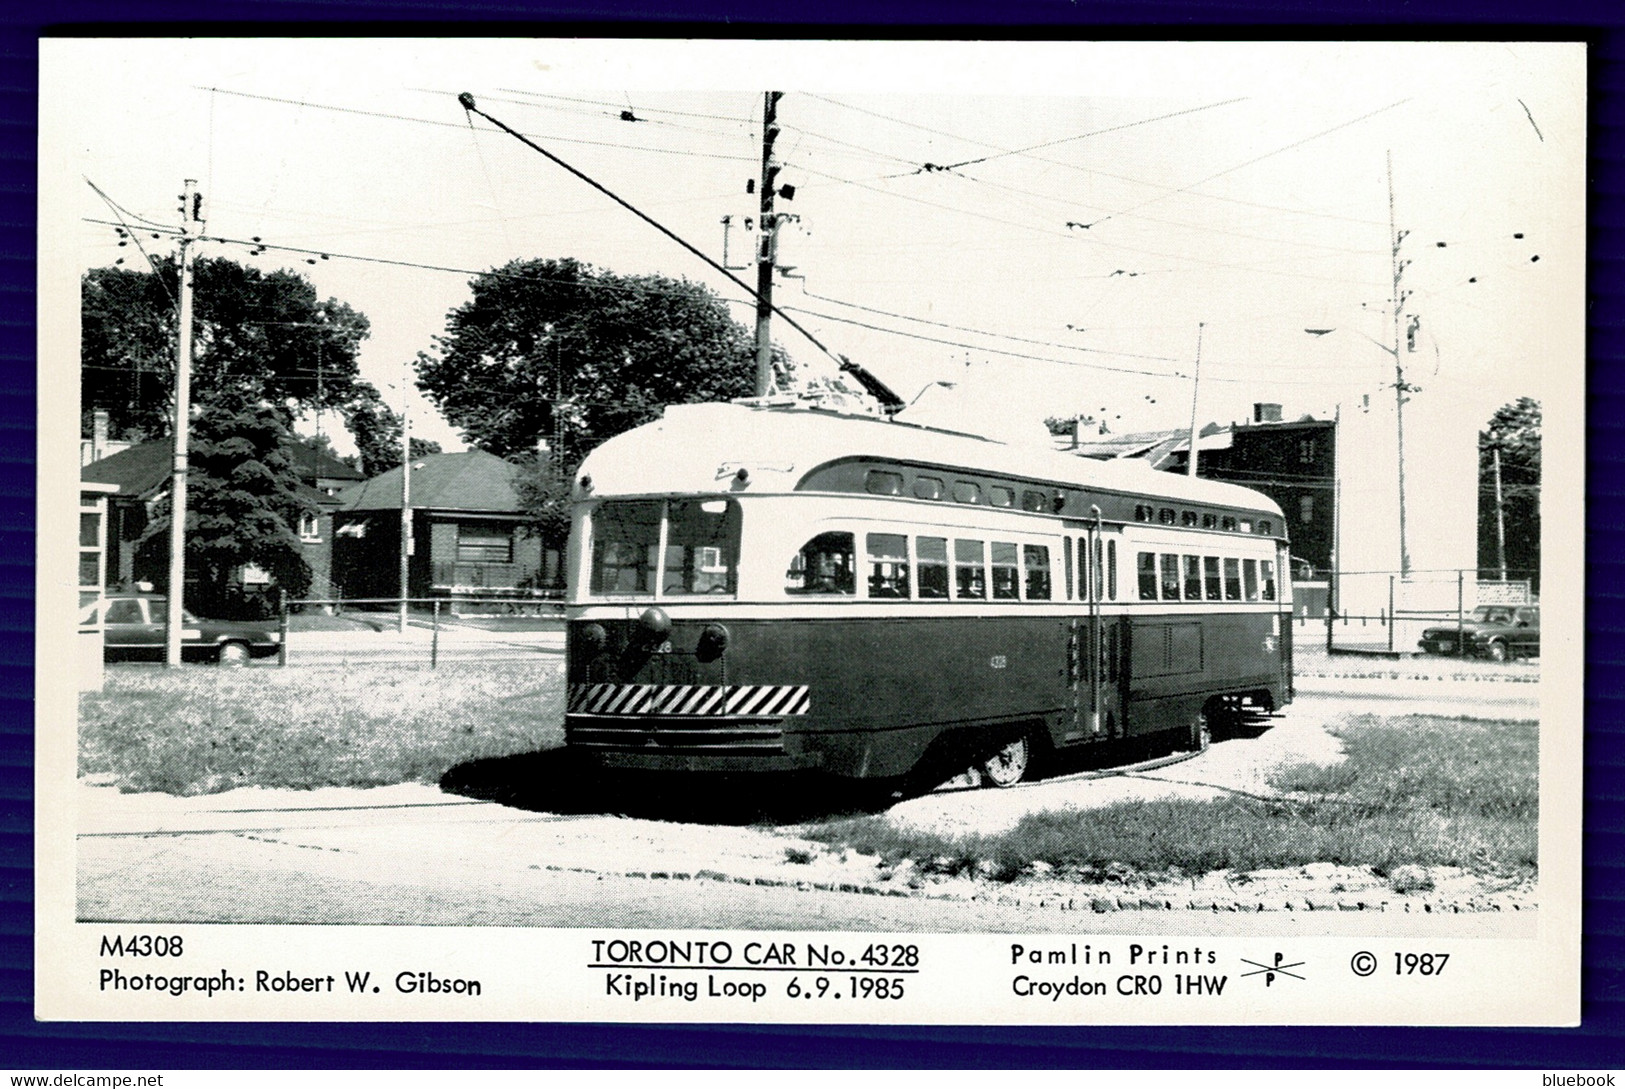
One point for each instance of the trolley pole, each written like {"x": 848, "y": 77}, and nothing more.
{"x": 767, "y": 248}
{"x": 191, "y": 227}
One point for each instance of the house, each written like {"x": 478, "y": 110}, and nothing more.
{"x": 468, "y": 538}
{"x": 141, "y": 475}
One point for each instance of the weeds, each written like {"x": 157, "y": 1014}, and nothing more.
{"x": 200, "y": 731}
{"x": 1415, "y": 791}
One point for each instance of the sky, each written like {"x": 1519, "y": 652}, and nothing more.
{"x": 1004, "y": 231}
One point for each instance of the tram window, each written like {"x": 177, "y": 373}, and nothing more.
{"x": 626, "y": 538}
{"x": 1246, "y": 526}
{"x": 880, "y": 482}
{"x": 1033, "y": 502}
{"x": 1187, "y": 518}
{"x": 1210, "y": 521}
{"x": 927, "y": 487}
{"x": 1111, "y": 570}
{"x": 1264, "y": 526}
{"x": 1166, "y": 516}
{"x": 702, "y": 547}
{"x": 931, "y": 566}
{"x": 1085, "y": 590}
{"x": 1249, "y": 579}
{"x": 1006, "y": 571}
{"x": 1148, "y": 576}
{"x": 1210, "y": 571}
{"x": 1066, "y": 555}
{"x": 1193, "y": 578}
{"x": 1037, "y": 557}
{"x": 967, "y": 491}
{"x": 1232, "y": 579}
{"x": 1143, "y": 513}
{"x": 970, "y": 571}
{"x": 888, "y": 564}
{"x": 825, "y": 565}
{"x": 1227, "y": 522}
{"x": 1001, "y": 497}
{"x": 1170, "y": 577}
{"x": 1266, "y": 572}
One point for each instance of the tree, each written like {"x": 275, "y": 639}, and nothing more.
{"x": 1514, "y": 431}
{"x": 264, "y": 336}
{"x": 557, "y": 351}
{"x": 377, "y": 431}
{"x": 243, "y": 500}
{"x": 544, "y": 491}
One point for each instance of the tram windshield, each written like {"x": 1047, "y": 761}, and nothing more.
{"x": 701, "y": 552}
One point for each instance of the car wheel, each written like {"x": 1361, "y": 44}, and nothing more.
{"x": 233, "y": 654}
{"x": 1009, "y": 765}
{"x": 1496, "y": 651}
{"x": 1200, "y": 735}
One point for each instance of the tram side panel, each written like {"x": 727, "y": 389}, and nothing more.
{"x": 1178, "y": 664}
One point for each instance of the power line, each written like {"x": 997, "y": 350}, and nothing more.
{"x": 1096, "y": 132}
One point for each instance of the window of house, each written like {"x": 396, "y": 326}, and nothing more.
{"x": 625, "y": 540}
{"x": 1170, "y": 577}
{"x": 931, "y": 566}
{"x": 1249, "y": 579}
{"x": 1306, "y": 450}
{"x": 967, "y": 491}
{"x": 1006, "y": 571}
{"x": 1001, "y": 497}
{"x": 1232, "y": 579}
{"x": 970, "y": 569}
{"x": 310, "y": 527}
{"x": 485, "y": 543}
{"x": 1037, "y": 563}
{"x": 827, "y": 564}
{"x": 927, "y": 487}
{"x": 1306, "y": 508}
{"x": 1148, "y": 576}
{"x": 880, "y": 482}
{"x": 702, "y": 547}
{"x": 1212, "y": 586}
{"x": 888, "y": 564}
{"x": 1193, "y": 578}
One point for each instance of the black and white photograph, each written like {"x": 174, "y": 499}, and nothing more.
{"x": 811, "y": 530}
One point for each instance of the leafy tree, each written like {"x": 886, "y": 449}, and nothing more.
{"x": 243, "y": 498}
{"x": 263, "y": 335}
{"x": 544, "y": 491}
{"x": 561, "y": 352}
{"x": 1514, "y": 430}
{"x": 377, "y": 431}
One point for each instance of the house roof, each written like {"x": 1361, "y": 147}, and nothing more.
{"x": 145, "y": 467}
{"x": 469, "y": 481}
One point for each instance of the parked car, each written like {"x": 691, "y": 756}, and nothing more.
{"x": 1496, "y": 632}
{"x": 134, "y": 626}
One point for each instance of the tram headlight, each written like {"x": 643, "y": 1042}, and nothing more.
{"x": 592, "y": 640}
{"x": 656, "y": 624}
{"x": 713, "y": 641}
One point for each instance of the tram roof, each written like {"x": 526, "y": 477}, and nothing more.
{"x": 700, "y": 448}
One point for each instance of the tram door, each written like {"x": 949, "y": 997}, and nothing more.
{"x": 1093, "y": 643}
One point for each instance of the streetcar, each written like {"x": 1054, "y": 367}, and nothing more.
{"x": 768, "y": 586}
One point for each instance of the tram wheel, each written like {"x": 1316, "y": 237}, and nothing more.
{"x": 1009, "y": 765}
{"x": 1201, "y": 733}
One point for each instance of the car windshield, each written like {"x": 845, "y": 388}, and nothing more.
{"x": 1493, "y": 614}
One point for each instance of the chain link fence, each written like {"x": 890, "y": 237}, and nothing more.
{"x": 429, "y": 633}
{"x": 1388, "y": 612}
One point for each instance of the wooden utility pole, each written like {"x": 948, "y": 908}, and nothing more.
{"x": 406, "y": 496}
{"x": 767, "y": 249}
{"x": 191, "y": 227}
{"x": 1400, "y": 386}
{"x": 1500, "y": 515}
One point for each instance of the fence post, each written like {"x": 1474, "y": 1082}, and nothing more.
{"x": 1331, "y": 618}
{"x": 1393, "y": 617}
{"x": 1461, "y": 632}
{"x": 434, "y": 639}
{"x": 282, "y": 633}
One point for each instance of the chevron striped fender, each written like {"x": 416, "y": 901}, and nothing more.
{"x": 714, "y": 700}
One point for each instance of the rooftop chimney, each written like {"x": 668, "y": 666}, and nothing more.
{"x": 98, "y": 434}
{"x": 1266, "y": 413}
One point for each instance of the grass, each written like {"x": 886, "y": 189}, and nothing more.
{"x": 1414, "y": 791}
{"x": 204, "y": 730}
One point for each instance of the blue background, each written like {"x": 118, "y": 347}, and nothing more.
{"x": 1600, "y": 1042}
